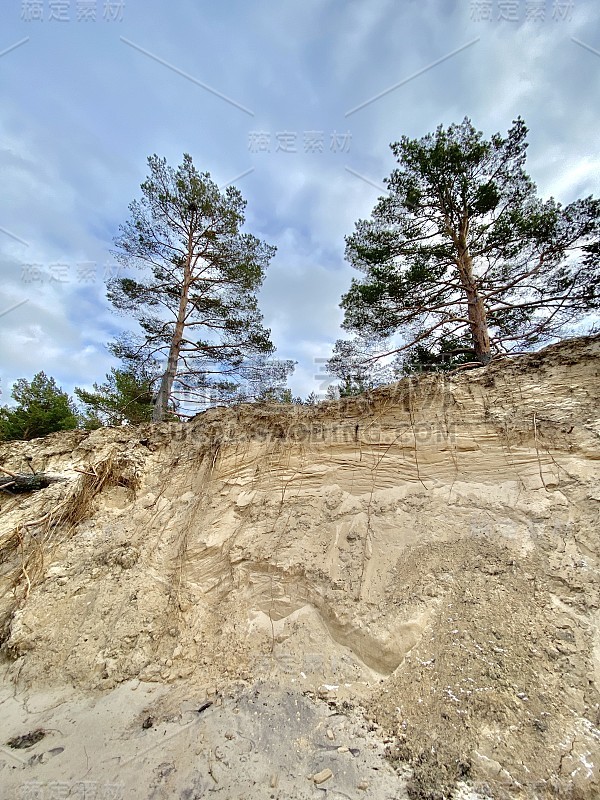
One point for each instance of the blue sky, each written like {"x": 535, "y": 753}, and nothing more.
{"x": 266, "y": 91}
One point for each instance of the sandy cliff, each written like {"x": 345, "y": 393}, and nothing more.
{"x": 412, "y": 577}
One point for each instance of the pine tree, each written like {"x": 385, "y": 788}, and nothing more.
{"x": 196, "y": 305}
{"x": 127, "y": 396}
{"x": 356, "y": 365}
{"x": 42, "y": 408}
{"x": 463, "y": 260}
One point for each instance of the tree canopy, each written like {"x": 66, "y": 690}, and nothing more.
{"x": 127, "y": 396}
{"x": 41, "y": 408}
{"x": 357, "y": 370}
{"x": 197, "y": 301}
{"x": 463, "y": 260}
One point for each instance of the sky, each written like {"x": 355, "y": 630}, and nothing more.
{"x": 296, "y": 103}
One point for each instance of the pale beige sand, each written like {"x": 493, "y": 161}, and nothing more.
{"x": 428, "y": 556}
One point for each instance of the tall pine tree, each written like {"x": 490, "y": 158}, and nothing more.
{"x": 196, "y": 304}
{"x": 463, "y": 259}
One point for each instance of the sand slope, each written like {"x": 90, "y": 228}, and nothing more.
{"x": 420, "y": 564}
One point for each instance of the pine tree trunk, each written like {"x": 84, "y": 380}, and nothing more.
{"x": 162, "y": 398}
{"x": 476, "y": 308}
{"x": 479, "y": 328}
{"x": 161, "y": 406}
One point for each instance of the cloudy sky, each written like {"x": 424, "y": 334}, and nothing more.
{"x": 295, "y": 102}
